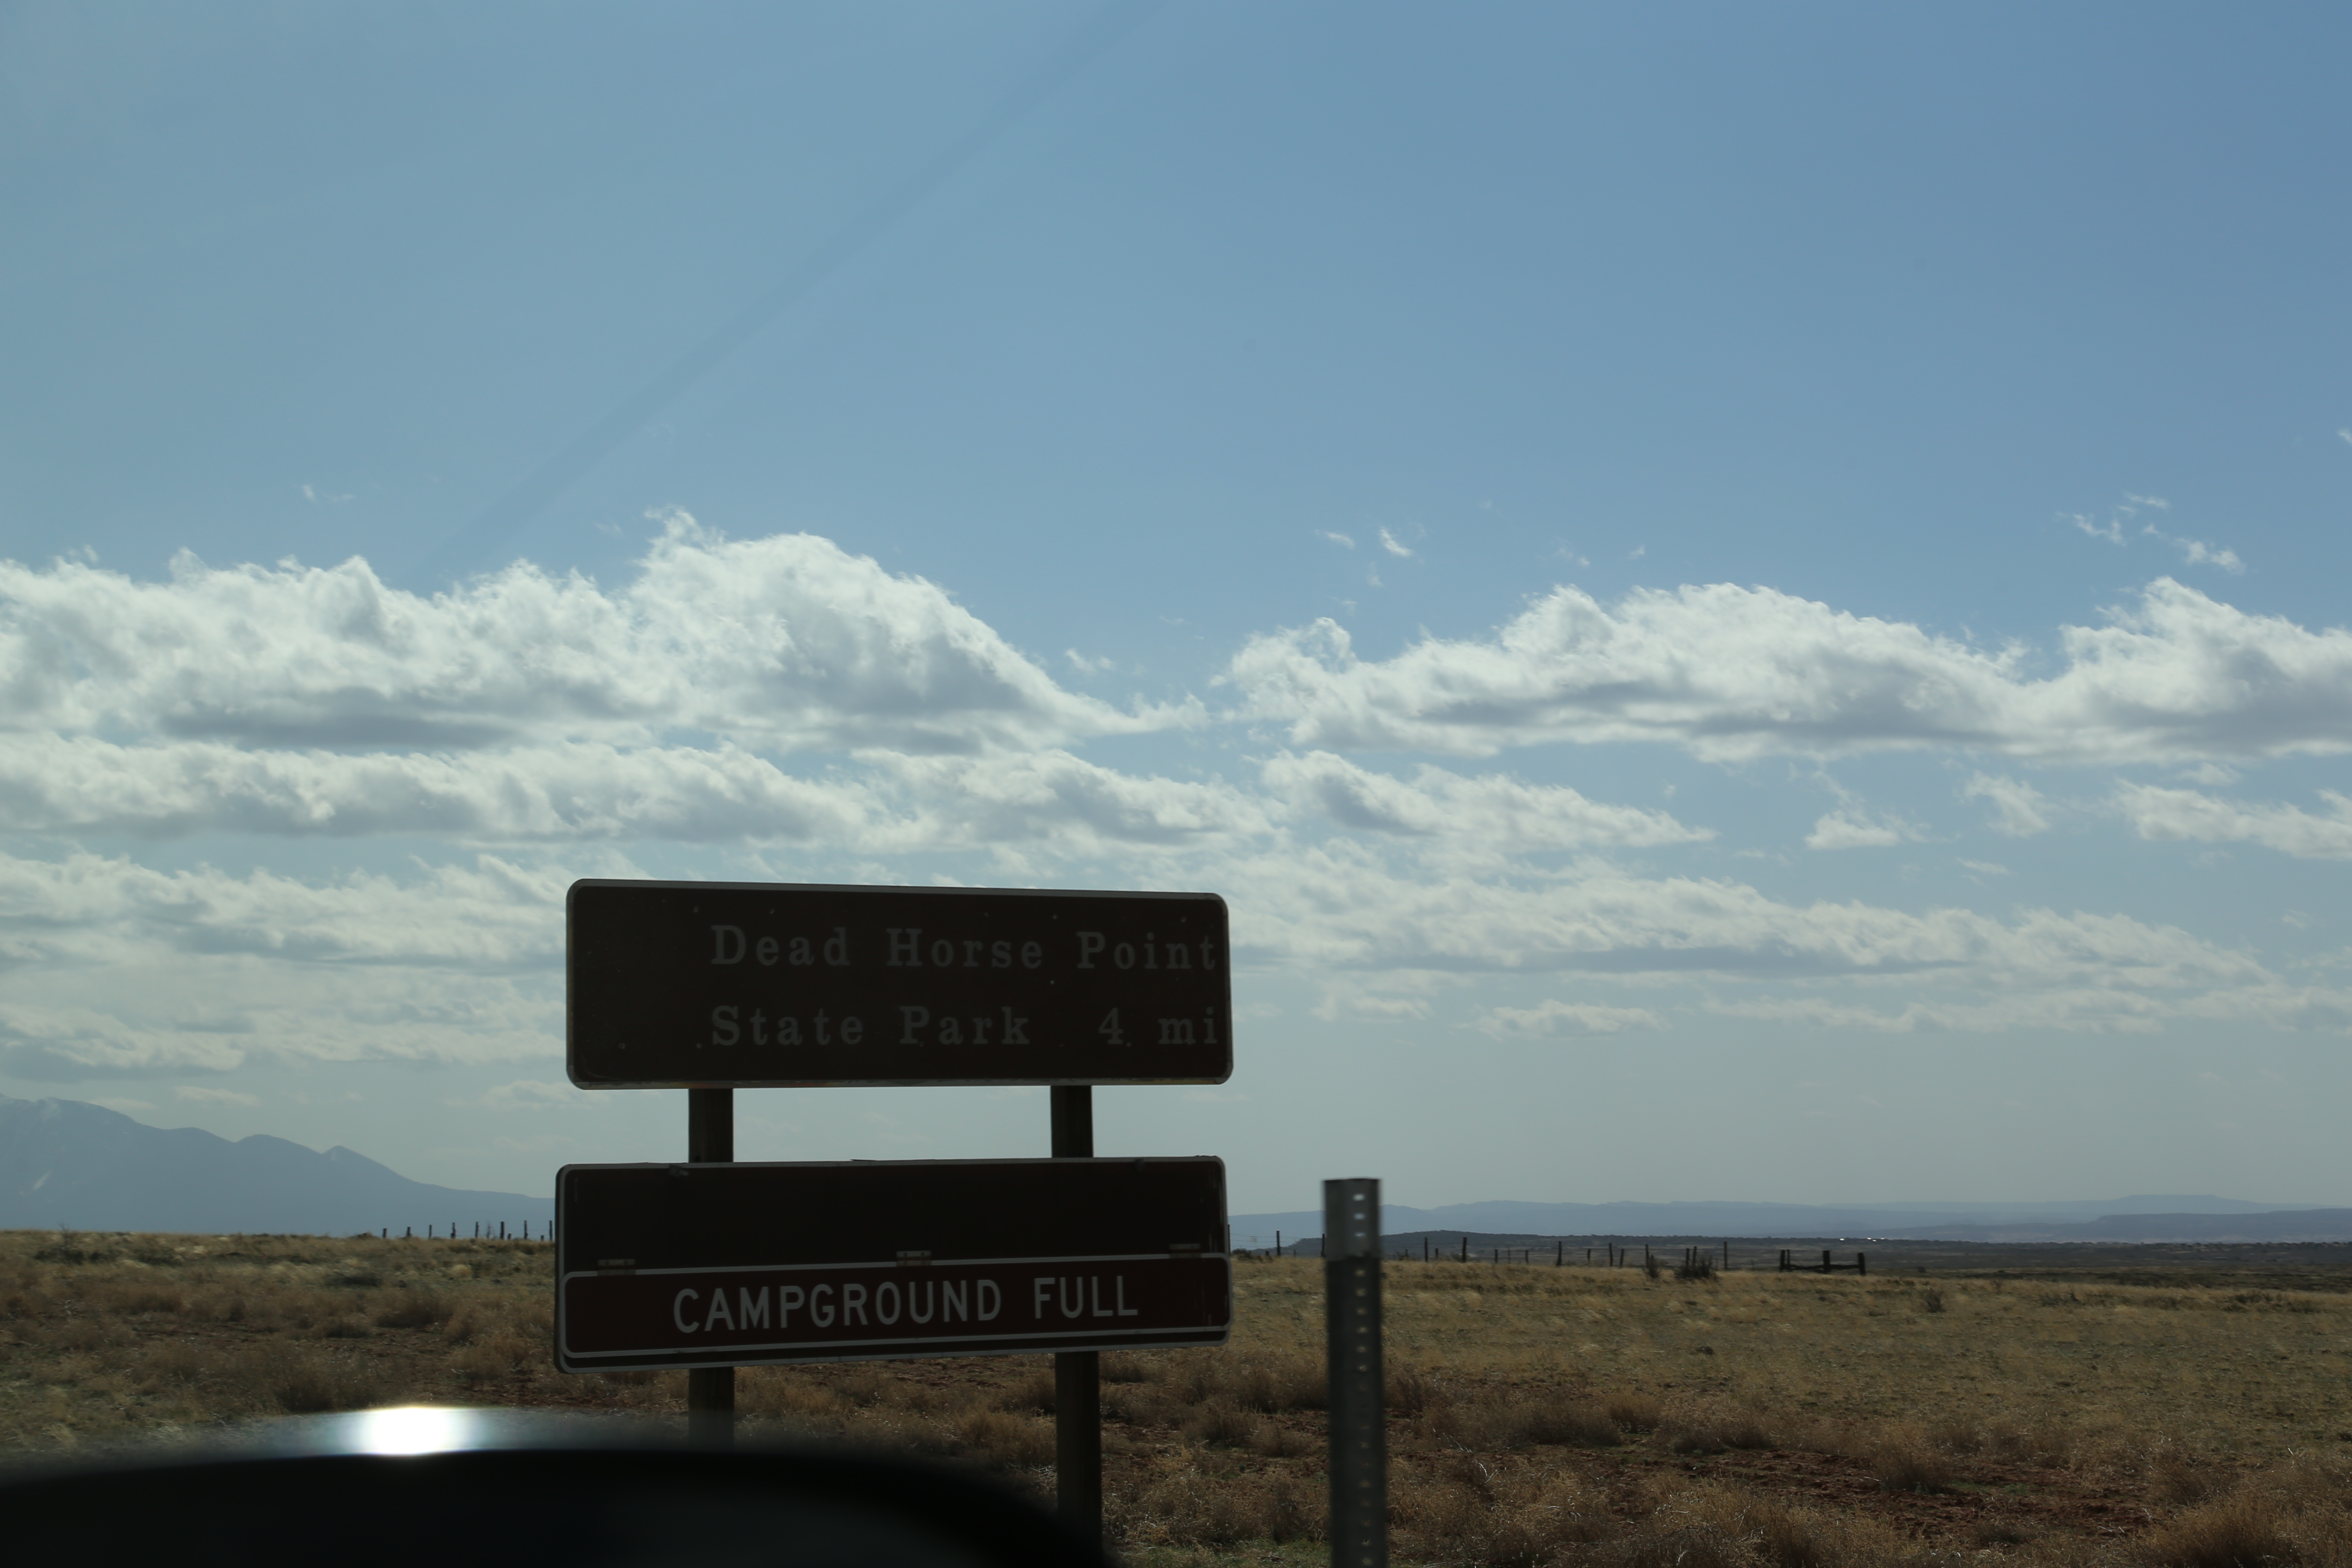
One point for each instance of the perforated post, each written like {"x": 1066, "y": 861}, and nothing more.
{"x": 1359, "y": 1459}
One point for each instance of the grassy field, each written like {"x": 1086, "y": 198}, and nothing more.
{"x": 1538, "y": 1415}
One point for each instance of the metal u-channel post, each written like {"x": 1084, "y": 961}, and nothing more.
{"x": 1359, "y": 1455}
{"x": 1078, "y": 1374}
{"x": 710, "y": 1390}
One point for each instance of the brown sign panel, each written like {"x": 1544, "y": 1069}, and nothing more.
{"x": 753, "y": 984}
{"x": 736, "y": 1265}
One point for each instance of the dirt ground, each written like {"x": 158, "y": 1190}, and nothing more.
{"x": 2165, "y": 1416}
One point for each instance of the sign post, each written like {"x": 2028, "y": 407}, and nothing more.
{"x": 710, "y": 1390}
{"x": 1078, "y": 1374}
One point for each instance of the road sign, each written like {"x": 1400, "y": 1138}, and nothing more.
{"x": 748, "y": 985}
{"x": 733, "y": 1265}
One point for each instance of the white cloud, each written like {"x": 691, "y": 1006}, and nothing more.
{"x": 2070, "y": 1010}
{"x": 1727, "y": 672}
{"x": 1340, "y": 908}
{"x": 783, "y": 642}
{"x": 1341, "y": 539}
{"x": 1555, "y": 1019}
{"x": 559, "y": 792}
{"x": 115, "y": 968}
{"x": 2200, "y": 553}
{"x": 2185, "y": 814}
{"x": 1987, "y": 868}
{"x": 1390, "y": 542}
{"x": 1847, "y": 829}
{"x": 1502, "y": 814}
{"x": 1346, "y": 1004}
{"x": 2018, "y": 808}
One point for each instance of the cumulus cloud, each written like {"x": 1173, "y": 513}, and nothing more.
{"x": 1727, "y": 672}
{"x": 2077, "y": 1009}
{"x": 1555, "y": 1019}
{"x": 2018, "y": 808}
{"x": 2197, "y": 552}
{"x": 2157, "y": 812}
{"x": 116, "y": 968}
{"x": 1847, "y": 828}
{"x": 785, "y": 643}
{"x": 837, "y": 722}
{"x": 559, "y": 792}
{"x": 1341, "y": 907}
{"x": 1501, "y": 813}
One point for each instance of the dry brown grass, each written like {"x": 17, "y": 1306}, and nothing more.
{"x": 1537, "y": 1415}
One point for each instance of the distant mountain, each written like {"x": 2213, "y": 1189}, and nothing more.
{"x": 67, "y": 1163}
{"x": 2266, "y": 1225}
{"x": 2114, "y": 1219}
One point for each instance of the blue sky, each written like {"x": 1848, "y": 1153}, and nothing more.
{"x": 1744, "y": 603}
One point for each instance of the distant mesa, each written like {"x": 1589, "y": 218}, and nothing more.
{"x": 67, "y": 1163}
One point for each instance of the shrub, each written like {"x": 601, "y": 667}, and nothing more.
{"x": 412, "y": 1310}
{"x": 301, "y": 1383}
{"x": 2239, "y": 1533}
{"x": 1632, "y": 1412}
{"x": 1566, "y": 1423}
{"x": 494, "y": 1356}
{"x": 1784, "y": 1540}
{"x": 2178, "y": 1478}
{"x": 1003, "y": 1440}
{"x": 174, "y": 1360}
{"x": 1034, "y": 1393}
{"x": 1221, "y": 1425}
{"x": 1931, "y": 1299}
{"x": 1905, "y": 1464}
{"x": 1410, "y": 1391}
{"x": 780, "y": 1390}
{"x": 1137, "y": 1406}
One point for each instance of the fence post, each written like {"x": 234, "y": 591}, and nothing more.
{"x": 1861, "y": 1264}
{"x": 710, "y": 1390}
{"x": 1359, "y": 1432}
{"x": 1078, "y": 1374}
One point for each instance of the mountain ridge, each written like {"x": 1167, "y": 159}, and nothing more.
{"x": 67, "y": 1163}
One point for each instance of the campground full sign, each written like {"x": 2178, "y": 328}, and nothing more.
{"x": 718, "y": 985}
{"x": 717, "y": 1265}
